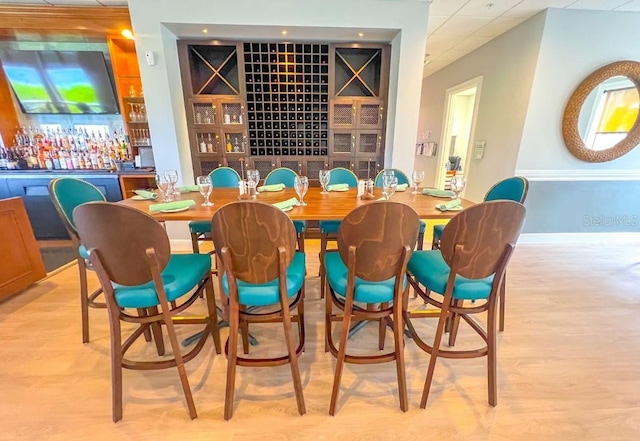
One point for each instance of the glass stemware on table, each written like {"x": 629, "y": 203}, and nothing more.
{"x": 172, "y": 177}
{"x": 163, "y": 184}
{"x": 253, "y": 177}
{"x": 389, "y": 185}
{"x": 301, "y": 185}
{"x": 417, "y": 177}
{"x": 205, "y": 187}
{"x": 457, "y": 185}
{"x": 325, "y": 178}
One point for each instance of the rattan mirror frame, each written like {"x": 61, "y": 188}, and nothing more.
{"x": 570, "y": 133}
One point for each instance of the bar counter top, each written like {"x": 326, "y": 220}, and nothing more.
{"x": 92, "y": 172}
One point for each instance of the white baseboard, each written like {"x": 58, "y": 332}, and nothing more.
{"x": 567, "y": 238}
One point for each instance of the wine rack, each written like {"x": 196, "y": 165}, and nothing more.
{"x": 287, "y": 87}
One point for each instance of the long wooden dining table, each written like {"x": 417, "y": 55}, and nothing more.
{"x": 333, "y": 206}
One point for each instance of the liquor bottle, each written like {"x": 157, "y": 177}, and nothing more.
{"x": 203, "y": 146}
{"x": 4, "y": 159}
{"x": 56, "y": 159}
{"x": 229, "y": 146}
{"x": 209, "y": 143}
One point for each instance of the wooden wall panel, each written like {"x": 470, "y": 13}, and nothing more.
{"x": 21, "y": 261}
{"x": 8, "y": 115}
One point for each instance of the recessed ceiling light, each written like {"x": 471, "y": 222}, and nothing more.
{"x": 126, "y": 33}
{"x": 360, "y": 34}
{"x": 205, "y": 30}
{"x": 284, "y": 32}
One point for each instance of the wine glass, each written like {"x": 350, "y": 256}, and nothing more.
{"x": 301, "y": 185}
{"x": 172, "y": 177}
{"x": 417, "y": 177}
{"x": 389, "y": 184}
{"x": 163, "y": 185}
{"x": 325, "y": 177}
{"x": 457, "y": 185}
{"x": 205, "y": 187}
{"x": 253, "y": 177}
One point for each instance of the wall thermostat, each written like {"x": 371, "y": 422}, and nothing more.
{"x": 151, "y": 59}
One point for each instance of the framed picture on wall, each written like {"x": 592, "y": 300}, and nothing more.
{"x": 430, "y": 148}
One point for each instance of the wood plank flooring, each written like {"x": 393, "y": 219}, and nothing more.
{"x": 569, "y": 369}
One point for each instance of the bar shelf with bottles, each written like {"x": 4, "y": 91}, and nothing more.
{"x": 70, "y": 149}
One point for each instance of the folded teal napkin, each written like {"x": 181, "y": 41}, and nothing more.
{"x": 188, "y": 188}
{"x": 286, "y": 204}
{"x": 451, "y": 205}
{"x": 402, "y": 187}
{"x": 438, "y": 193}
{"x": 176, "y": 205}
{"x": 146, "y": 194}
{"x": 335, "y": 187}
{"x": 271, "y": 187}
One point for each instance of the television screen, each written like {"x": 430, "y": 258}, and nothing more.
{"x": 60, "y": 82}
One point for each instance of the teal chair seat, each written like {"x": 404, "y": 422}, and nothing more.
{"x": 264, "y": 294}
{"x": 423, "y": 226}
{"x": 437, "y": 231}
{"x": 365, "y": 291}
{"x": 204, "y": 227}
{"x": 182, "y": 273}
{"x": 329, "y": 226}
{"x": 432, "y": 271}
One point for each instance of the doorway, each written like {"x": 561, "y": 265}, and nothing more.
{"x": 461, "y": 110}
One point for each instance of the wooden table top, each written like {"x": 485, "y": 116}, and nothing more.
{"x": 332, "y": 206}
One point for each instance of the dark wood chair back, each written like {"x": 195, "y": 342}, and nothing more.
{"x": 121, "y": 236}
{"x": 252, "y": 232}
{"x": 379, "y": 231}
{"x": 481, "y": 234}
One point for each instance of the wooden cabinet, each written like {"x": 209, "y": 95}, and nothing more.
{"x": 22, "y": 264}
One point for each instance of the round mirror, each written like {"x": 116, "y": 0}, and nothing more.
{"x": 601, "y": 118}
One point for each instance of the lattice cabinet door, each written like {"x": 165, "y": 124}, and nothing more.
{"x": 368, "y": 142}
{"x": 311, "y": 168}
{"x": 238, "y": 164}
{"x": 233, "y": 141}
{"x": 231, "y": 112}
{"x": 203, "y": 112}
{"x": 342, "y": 142}
{"x": 370, "y": 115}
{"x": 294, "y": 164}
{"x": 346, "y": 162}
{"x": 206, "y": 166}
{"x": 263, "y": 164}
{"x": 366, "y": 167}
{"x": 343, "y": 114}
{"x": 206, "y": 142}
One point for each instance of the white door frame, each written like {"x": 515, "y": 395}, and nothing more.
{"x": 447, "y": 123}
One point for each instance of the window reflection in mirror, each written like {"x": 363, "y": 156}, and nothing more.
{"x": 609, "y": 113}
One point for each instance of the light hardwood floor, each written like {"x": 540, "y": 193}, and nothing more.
{"x": 569, "y": 369}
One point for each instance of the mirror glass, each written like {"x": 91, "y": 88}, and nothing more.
{"x": 608, "y": 113}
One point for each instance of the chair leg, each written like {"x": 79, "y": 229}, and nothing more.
{"x": 116, "y": 366}
{"x": 147, "y": 333}
{"x": 301, "y": 241}
{"x": 328, "y": 307}
{"x": 175, "y": 346}
{"x": 434, "y": 353}
{"x": 244, "y": 333}
{"x": 232, "y": 341}
{"x": 194, "y": 243}
{"x": 398, "y": 337}
{"x": 84, "y": 299}
{"x": 293, "y": 358}
{"x": 382, "y": 328}
{"x": 420, "y": 241}
{"x": 492, "y": 359}
{"x": 454, "y": 323}
{"x": 156, "y": 329}
{"x": 213, "y": 315}
{"x": 435, "y": 243}
{"x": 344, "y": 336}
{"x": 323, "y": 274}
{"x": 503, "y": 289}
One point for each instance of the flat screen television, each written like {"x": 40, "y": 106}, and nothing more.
{"x": 69, "y": 82}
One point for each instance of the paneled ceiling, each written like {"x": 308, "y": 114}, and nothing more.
{"x": 456, "y": 27}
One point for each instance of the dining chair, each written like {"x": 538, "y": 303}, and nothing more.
{"x": 366, "y": 277}
{"x": 67, "y": 194}
{"x": 510, "y": 189}
{"x": 286, "y": 176}
{"x": 403, "y": 179}
{"x": 255, "y": 244}
{"x": 221, "y": 177}
{"x": 137, "y": 271}
{"x": 468, "y": 269}
{"x": 329, "y": 229}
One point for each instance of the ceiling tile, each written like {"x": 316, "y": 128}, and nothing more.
{"x": 446, "y": 7}
{"x": 442, "y": 43}
{"x": 459, "y": 25}
{"x": 472, "y": 43}
{"x": 633, "y": 5}
{"x": 529, "y": 8}
{"x": 597, "y": 4}
{"x": 499, "y": 26}
{"x": 435, "y": 21}
{"x": 452, "y": 55}
{"x": 480, "y": 8}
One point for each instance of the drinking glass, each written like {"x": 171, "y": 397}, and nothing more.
{"x": 301, "y": 185}
{"x": 457, "y": 185}
{"x": 172, "y": 177}
{"x": 325, "y": 177}
{"x": 417, "y": 177}
{"x": 163, "y": 185}
{"x": 389, "y": 184}
{"x": 205, "y": 187}
{"x": 253, "y": 177}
